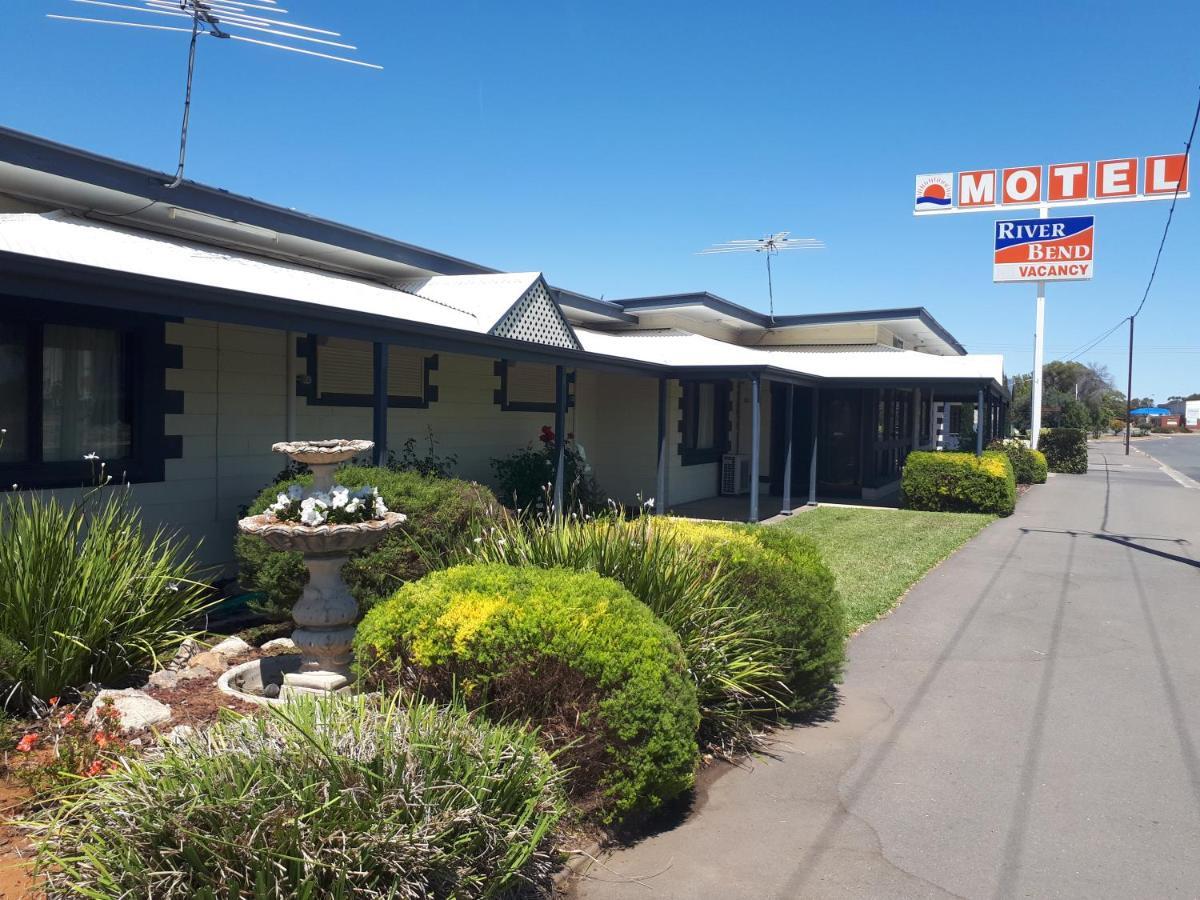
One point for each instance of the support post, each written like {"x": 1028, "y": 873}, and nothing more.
{"x": 812, "y": 460}
{"x": 755, "y": 441}
{"x": 1035, "y": 406}
{"x": 785, "y": 504}
{"x": 560, "y": 436}
{"x": 1129, "y": 391}
{"x": 379, "y": 413}
{"x": 660, "y": 495}
{"x": 980, "y": 424}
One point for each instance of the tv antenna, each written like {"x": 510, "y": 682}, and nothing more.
{"x": 769, "y": 246}
{"x": 224, "y": 20}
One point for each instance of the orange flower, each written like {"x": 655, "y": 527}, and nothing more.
{"x": 53, "y": 701}
{"x": 25, "y": 744}
{"x": 101, "y": 739}
{"x": 94, "y": 769}
{"x": 68, "y": 719}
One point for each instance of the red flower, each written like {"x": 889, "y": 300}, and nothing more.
{"x": 53, "y": 701}
{"x": 101, "y": 739}
{"x": 68, "y": 719}
{"x": 25, "y": 744}
{"x": 547, "y": 435}
{"x": 94, "y": 769}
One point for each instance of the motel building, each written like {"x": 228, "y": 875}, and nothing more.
{"x": 179, "y": 333}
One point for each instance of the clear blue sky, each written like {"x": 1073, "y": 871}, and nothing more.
{"x": 605, "y": 143}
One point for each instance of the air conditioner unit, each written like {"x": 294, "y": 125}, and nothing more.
{"x": 735, "y": 474}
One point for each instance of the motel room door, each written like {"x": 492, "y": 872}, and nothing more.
{"x": 840, "y": 443}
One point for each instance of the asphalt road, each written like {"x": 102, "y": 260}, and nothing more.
{"x": 1181, "y": 452}
{"x": 1024, "y": 725}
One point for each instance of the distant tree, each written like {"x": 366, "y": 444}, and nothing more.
{"x": 1074, "y": 394}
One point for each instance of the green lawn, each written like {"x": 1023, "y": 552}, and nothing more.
{"x": 878, "y": 554}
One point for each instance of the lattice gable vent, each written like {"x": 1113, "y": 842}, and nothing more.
{"x": 537, "y": 319}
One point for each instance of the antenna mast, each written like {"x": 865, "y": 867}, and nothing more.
{"x": 220, "y": 19}
{"x": 768, "y": 246}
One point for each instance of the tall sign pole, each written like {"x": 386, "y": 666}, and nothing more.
{"x": 1046, "y": 249}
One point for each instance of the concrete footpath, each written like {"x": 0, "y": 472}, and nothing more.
{"x": 1024, "y": 725}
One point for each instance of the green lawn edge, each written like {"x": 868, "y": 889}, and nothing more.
{"x": 877, "y": 555}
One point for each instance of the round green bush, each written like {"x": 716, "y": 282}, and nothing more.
{"x": 573, "y": 653}
{"x": 959, "y": 482}
{"x": 1038, "y": 467}
{"x": 337, "y": 798}
{"x": 1029, "y": 466}
{"x": 782, "y": 576}
{"x": 440, "y": 514}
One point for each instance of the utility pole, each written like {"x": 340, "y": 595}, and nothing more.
{"x": 1129, "y": 389}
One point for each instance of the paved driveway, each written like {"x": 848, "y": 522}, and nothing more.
{"x": 1024, "y": 725}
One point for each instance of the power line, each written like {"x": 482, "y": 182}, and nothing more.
{"x": 1088, "y": 347}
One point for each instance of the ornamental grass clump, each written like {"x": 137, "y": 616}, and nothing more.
{"x": 88, "y": 594}
{"x": 731, "y": 656}
{"x": 781, "y": 578}
{"x": 571, "y": 653}
{"x": 337, "y": 798}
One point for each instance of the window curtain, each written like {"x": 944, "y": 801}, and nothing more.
{"x": 84, "y": 407}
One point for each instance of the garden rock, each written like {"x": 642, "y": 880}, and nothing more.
{"x": 179, "y": 734}
{"x": 231, "y": 646}
{"x": 138, "y": 710}
{"x": 184, "y": 654}
{"x": 214, "y": 662}
{"x": 166, "y": 679}
{"x": 283, "y": 643}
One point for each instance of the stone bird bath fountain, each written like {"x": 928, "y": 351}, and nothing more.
{"x": 326, "y": 613}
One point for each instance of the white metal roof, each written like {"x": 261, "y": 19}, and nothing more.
{"x": 467, "y": 302}
{"x": 673, "y": 347}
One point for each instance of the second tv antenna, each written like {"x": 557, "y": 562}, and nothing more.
{"x": 224, "y": 20}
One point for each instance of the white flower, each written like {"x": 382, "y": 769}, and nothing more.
{"x": 312, "y": 516}
{"x": 354, "y": 506}
{"x": 380, "y": 507}
{"x": 649, "y": 504}
{"x": 88, "y": 457}
{"x": 339, "y": 496}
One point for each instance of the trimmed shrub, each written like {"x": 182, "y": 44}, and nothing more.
{"x": 1029, "y": 466}
{"x": 959, "y": 482}
{"x": 780, "y": 576}
{"x": 731, "y": 656}
{"x": 338, "y": 798}
{"x": 573, "y": 653}
{"x": 440, "y": 511}
{"x": 1065, "y": 449}
{"x": 88, "y": 594}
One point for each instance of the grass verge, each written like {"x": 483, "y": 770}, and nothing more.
{"x": 878, "y": 554}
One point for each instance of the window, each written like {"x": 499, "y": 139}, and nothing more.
{"x": 529, "y": 387}
{"x": 341, "y": 372}
{"x": 705, "y": 425}
{"x": 76, "y": 381}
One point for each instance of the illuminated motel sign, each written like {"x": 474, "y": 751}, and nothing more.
{"x": 1045, "y": 249}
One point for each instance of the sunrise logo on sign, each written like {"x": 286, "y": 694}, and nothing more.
{"x": 1045, "y": 249}
{"x": 935, "y": 191}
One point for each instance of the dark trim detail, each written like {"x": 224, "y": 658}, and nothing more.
{"x": 306, "y": 348}
{"x": 500, "y": 395}
{"x": 147, "y": 357}
{"x": 173, "y": 356}
{"x": 583, "y": 303}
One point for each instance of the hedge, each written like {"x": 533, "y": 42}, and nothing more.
{"x": 1065, "y": 449}
{"x": 572, "y": 653}
{"x": 959, "y": 482}
{"x": 1029, "y": 466}
{"x": 440, "y": 514}
{"x": 782, "y": 576}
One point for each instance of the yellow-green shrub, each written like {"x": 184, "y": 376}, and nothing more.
{"x": 573, "y": 653}
{"x": 782, "y": 576}
{"x": 959, "y": 482}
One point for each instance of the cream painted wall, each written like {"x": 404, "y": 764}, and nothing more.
{"x": 235, "y": 406}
